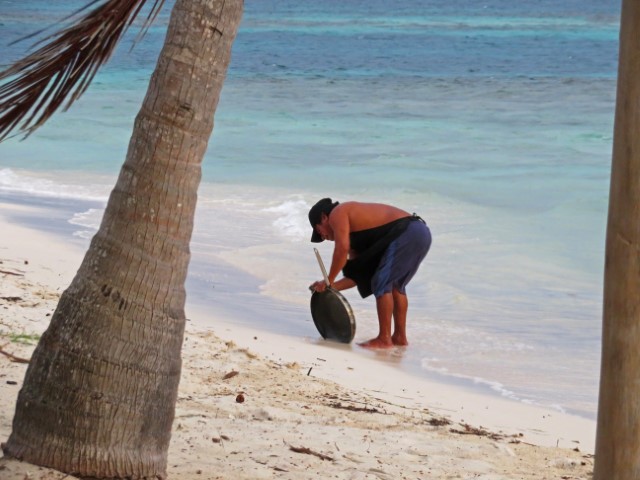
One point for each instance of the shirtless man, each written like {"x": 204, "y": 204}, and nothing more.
{"x": 378, "y": 248}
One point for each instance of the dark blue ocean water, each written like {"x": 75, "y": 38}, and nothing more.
{"x": 491, "y": 119}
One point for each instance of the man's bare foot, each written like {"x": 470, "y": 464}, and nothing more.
{"x": 399, "y": 340}
{"x": 376, "y": 343}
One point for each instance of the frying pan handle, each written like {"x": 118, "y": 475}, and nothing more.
{"x": 324, "y": 271}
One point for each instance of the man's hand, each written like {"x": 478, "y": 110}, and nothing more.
{"x": 318, "y": 286}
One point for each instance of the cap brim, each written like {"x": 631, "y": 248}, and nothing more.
{"x": 316, "y": 237}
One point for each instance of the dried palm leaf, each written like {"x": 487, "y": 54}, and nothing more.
{"x": 62, "y": 68}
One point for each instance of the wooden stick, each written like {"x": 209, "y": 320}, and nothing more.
{"x": 308, "y": 451}
{"x": 13, "y": 358}
{"x": 12, "y": 273}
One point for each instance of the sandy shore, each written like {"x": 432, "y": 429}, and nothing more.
{"x": 311, "y": 409}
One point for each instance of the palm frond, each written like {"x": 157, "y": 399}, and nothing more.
{"x": 65, "y": 63}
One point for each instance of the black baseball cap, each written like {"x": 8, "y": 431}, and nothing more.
{"x": 315, "y": 216}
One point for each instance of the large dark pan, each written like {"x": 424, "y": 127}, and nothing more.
{"x": 331, "y": 312}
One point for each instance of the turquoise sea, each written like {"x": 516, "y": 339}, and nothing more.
{"x": 493, "y": 120}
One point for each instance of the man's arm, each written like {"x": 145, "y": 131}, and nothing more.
{"x": 344, "y": 284}
{"x": 339, "y": 222}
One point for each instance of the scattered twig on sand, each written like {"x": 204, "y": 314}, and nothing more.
{"x": 308, "y": 451}
{"x": 350, "y": 405}
{"x": 231, "y": 374}
{"x": 12, "y": 357}
{"x": 481, "y": 432}
{"x": 11, "y": 299}
{"x": 9, "y": 272}
{"x": 353, "y": 408}
{"x": 396, "y": 405}
{"x": 438, "y": 422}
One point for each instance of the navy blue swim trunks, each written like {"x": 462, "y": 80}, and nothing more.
{"x": 401, "y": 260}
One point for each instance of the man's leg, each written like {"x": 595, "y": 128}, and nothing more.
{"x": 384, "y": 305}
{"x": 400, "y": 307}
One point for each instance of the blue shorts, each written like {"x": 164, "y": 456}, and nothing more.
{"x": 401, "y": 260}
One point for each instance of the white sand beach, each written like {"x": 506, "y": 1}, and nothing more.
{"x": 310, "y": 409}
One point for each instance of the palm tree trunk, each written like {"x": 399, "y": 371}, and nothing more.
{"x": 618, "y": 431}
{"x": 99, "y": 395}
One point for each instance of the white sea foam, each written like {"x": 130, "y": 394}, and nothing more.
{"x": 40, "y": 185}
{"x": 290, "y": 218}
{"x": 483, "y": 383}
{"x": 89, "y": 220}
